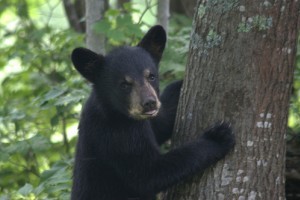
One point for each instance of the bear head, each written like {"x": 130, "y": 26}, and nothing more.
{"x": 126, "y": 79}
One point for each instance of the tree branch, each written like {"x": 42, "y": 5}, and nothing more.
{"x": 72, "y": 15}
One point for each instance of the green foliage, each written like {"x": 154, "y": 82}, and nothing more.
{"x": 40, "y": 93}
{"x": 55, "y": 183}
{"x": 174, "y": 59}
{"x": 294, "y": 112}
{"x": 118, "y": 26}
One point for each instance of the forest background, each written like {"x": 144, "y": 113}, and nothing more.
{"x": 41, "y": 94}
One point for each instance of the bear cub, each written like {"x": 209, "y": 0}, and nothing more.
{"x": 125, "y": 120}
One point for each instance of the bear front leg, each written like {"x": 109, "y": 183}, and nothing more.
{"x": 146, "y": 175}
{"x": 163, "y": 124}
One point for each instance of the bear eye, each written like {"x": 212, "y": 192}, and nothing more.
{"x": 151, "y": 77}
{"x": 125, "y": 85}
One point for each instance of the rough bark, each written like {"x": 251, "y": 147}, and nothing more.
{"x": 163, "y": 13}
{"x": 240, "y": 69}
{"x": 94, "y": 12}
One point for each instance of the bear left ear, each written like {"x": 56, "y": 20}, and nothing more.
{"x": 154, "y": 42}
{"x": 87, "y": 62}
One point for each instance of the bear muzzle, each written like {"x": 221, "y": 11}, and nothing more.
{"x": 144, "y": 102}
{"x": 148, "y": 108}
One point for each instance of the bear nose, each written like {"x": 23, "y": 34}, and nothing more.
{"x": 149, "y": 104}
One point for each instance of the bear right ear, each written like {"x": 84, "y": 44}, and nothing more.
{"x": 154, "y": 42}
{"x": 87, "y": 62}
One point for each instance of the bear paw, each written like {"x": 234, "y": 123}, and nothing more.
{"x": 221, "y": 134}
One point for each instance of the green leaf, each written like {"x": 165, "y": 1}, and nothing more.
{"x": 124, "y": 21}
{"x": 26, "y": 189}
{"x": 65, "y": 196}
{"x": 54, "y": 120}
{"x": 16, "y": 115}
{"x": 117, "y": 35}
{"x": 74, "y": 97}
{"x": 58, "y": 188}
{"x": 112, "y": 13}
{"x": 21, "y": 147}
{"x": 53, "y": 170}
{"x": 102, "y": 27}
{"x": 4, "y": 156}
{"x": 39, "y": 189}
{"x": 39, "y": 143}
{"x": 67, "y": 100}
{"x": 54, "y": 93}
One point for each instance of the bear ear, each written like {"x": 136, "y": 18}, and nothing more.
{"x": 87, "y": 62}
{"x": 154, "y": 42}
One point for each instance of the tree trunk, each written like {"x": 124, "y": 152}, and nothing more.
{"x": 240, "y": 69}
{"x": 163, "y": 13}
{"x": 94, "y": 12}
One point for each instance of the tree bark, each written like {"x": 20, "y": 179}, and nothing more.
{"x": 240, "y": 69}
{"x": 94, "y": 12}
{"x": 163, "y": 13}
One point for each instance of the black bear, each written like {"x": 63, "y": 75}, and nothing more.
{"x": 125, "y": 120}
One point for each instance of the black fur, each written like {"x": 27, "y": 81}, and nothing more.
{"x": 118, "y": 156}
{"x": 163, "y": 124}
